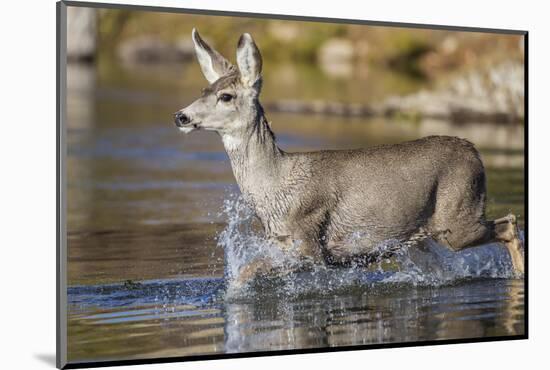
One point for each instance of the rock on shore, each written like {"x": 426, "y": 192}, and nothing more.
{"x": 495, "y": 94}
{"x": 492, "y": 94}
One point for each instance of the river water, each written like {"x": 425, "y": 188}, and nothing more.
{"x": 153, "y": 216}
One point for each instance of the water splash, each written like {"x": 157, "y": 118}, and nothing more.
{"x": 433, "y": 265}
{"x": 244, "y": 243}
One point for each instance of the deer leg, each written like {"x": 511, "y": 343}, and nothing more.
{"x": 304, "y": 243}
{"x": 284, "y": 242}
{"x": 258, "y": 267}
{"x": 301, "y": 249}
{"x": 506, "y": 231}
{"x": 264, "y": 266}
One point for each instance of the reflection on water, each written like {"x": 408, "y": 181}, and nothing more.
{"x": 186, "y": 317}
{"x": 144, "y": 206}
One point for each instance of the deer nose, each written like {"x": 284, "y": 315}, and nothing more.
{"x": 181, "y": 119}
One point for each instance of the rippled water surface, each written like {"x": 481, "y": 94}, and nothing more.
{"x": 189, "y": 317}
{"x": 153, "y": 217}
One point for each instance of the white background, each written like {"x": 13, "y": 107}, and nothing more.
{"x": 27, "y": 208}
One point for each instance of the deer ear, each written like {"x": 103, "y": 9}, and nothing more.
{"x": 212, "y": 63}
{"x": 249, "y": 60}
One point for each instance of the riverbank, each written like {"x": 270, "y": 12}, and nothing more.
{"x": 493, "y": 94}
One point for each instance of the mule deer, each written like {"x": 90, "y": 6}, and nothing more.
{"x": 432, "y": 187}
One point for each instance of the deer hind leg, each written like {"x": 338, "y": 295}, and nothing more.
{"x": 506, "y": 232}
{"x": 503, "y": 230}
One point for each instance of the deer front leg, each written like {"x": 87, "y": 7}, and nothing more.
{"x": 266, "y": 266}
{"x": 506, "y": 231}
{"x": 304, "y": 247}
{"x": 258, "y": 267}
{"x": 305, "y": 252}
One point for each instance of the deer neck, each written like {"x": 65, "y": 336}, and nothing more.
{"x": 254, "y": 155}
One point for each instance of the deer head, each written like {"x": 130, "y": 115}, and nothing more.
{"x": 229, "y": 105}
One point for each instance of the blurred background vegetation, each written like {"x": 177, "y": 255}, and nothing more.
{"x": 455, "y": 75}
{"x": 421, "y": 53}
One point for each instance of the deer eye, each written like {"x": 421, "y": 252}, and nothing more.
{"x": 226, "y": 97}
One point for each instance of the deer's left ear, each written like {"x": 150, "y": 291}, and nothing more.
{"x": 249, "y": 60}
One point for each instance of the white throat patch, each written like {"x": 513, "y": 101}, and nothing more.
{"x": 231, "y": 142}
